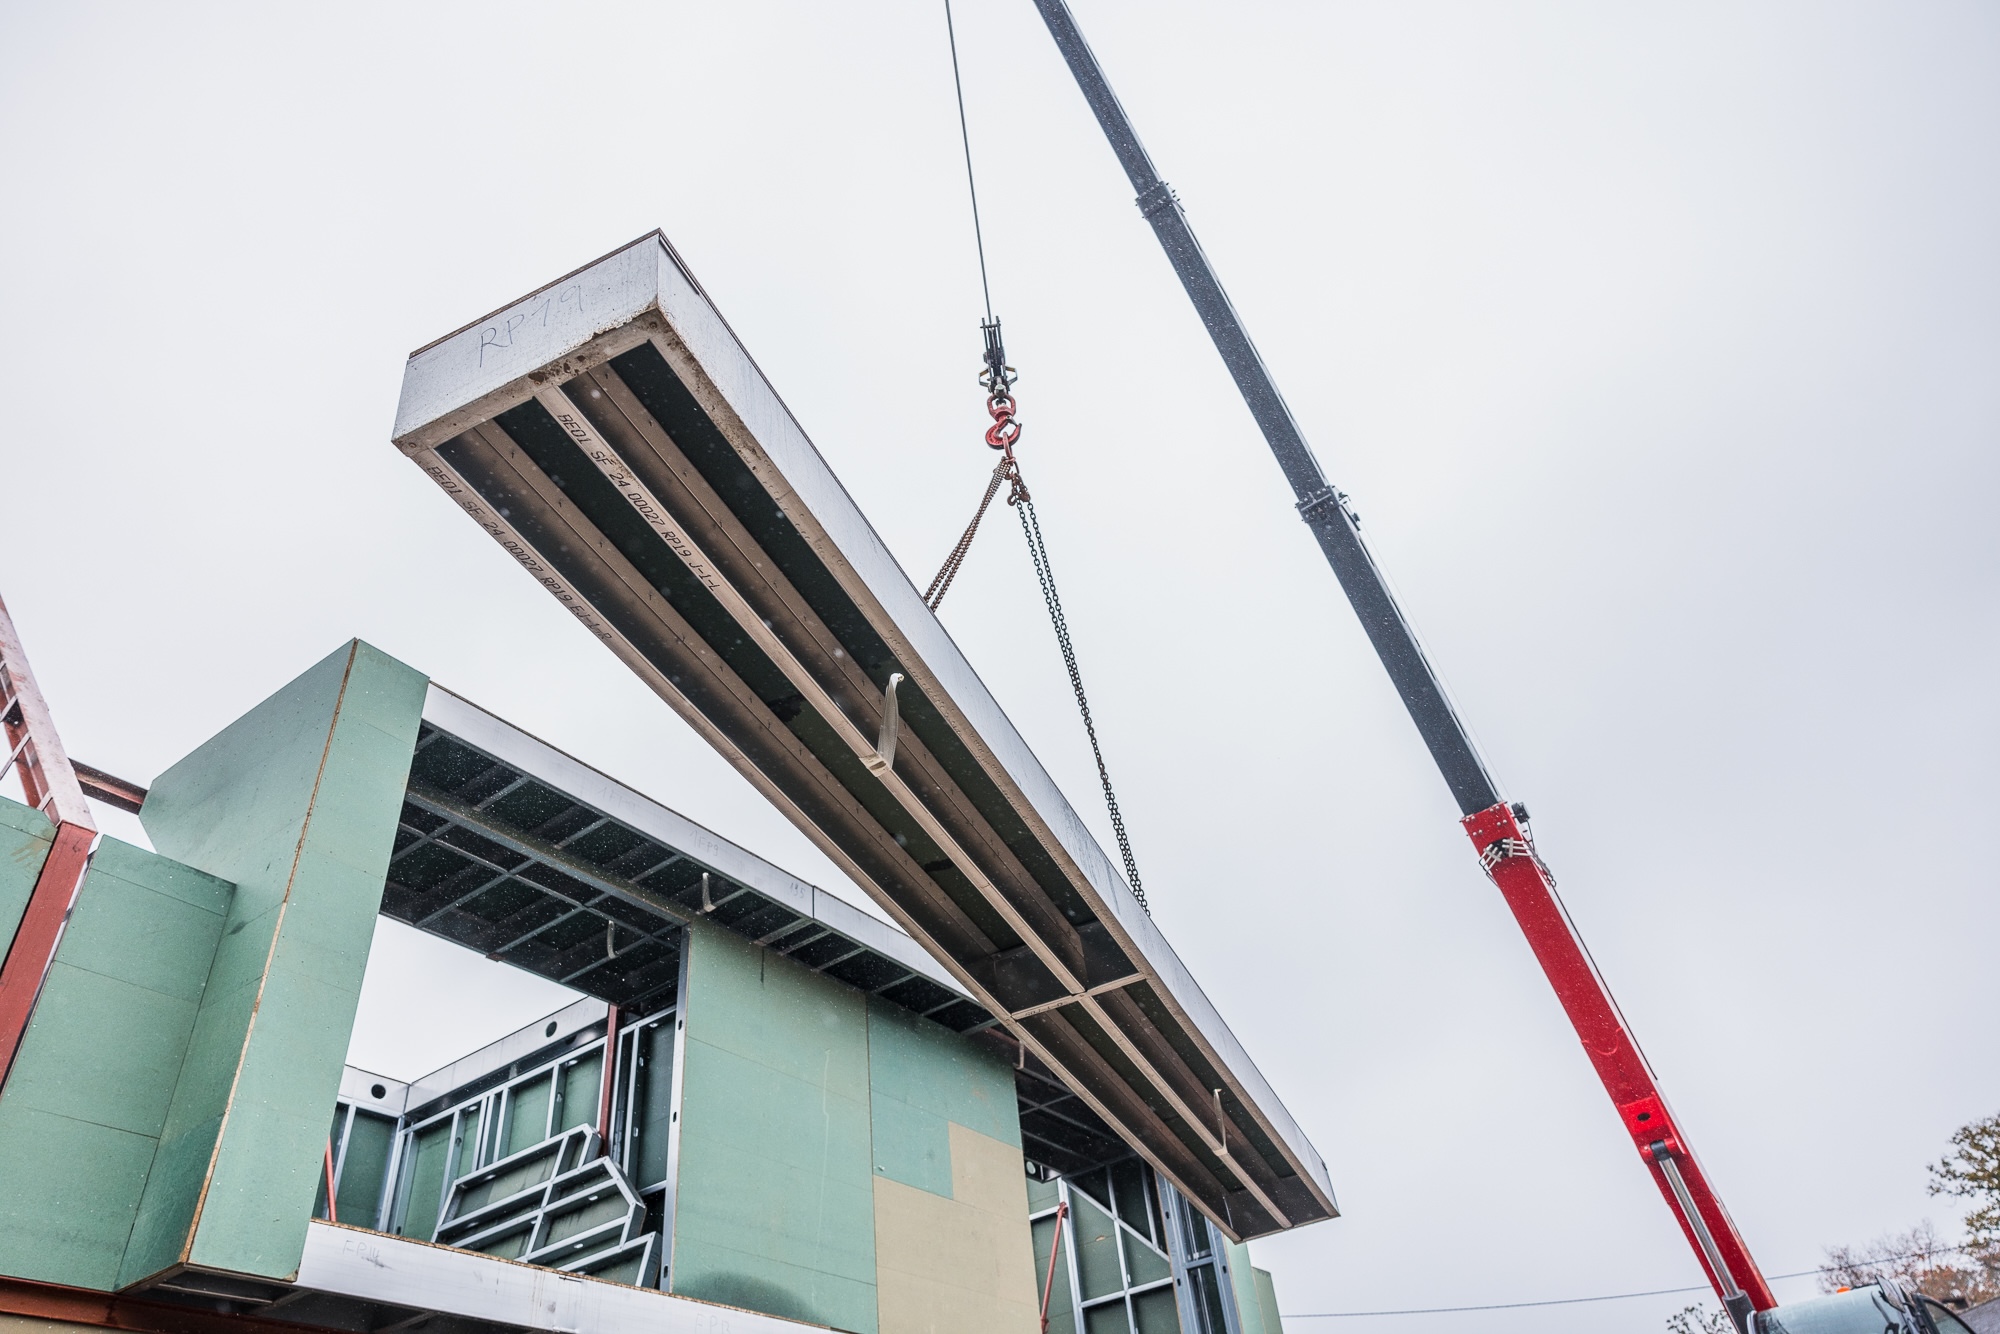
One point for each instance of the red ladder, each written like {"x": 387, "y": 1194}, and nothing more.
{"x": 35, "y": 754}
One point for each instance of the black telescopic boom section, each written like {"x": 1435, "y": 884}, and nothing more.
{"x": 1324, "y": 508}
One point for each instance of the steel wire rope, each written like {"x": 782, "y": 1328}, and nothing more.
{"x": 941, "y": 583}
{"x": 971, "y": 186}
{"x": 998, "y": 378}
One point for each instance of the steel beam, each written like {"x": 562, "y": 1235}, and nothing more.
{"x": 533, "y": 850}
{"x": 108, "y": 788}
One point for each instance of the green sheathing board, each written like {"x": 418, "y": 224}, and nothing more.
{"x": 774, "y": 1204}
{"x": 88, "y": 1096}
{"x": 25, "y": 837}
{"x": 296, "y": 803}
{"x": 922, "y": 1077}
{"x": 1267, "y": 1302}
{"x": 1243, "y": 1289}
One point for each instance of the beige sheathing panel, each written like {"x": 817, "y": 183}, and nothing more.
{"x": 987, "y": 1174}
{"x": 965, "y": 1265}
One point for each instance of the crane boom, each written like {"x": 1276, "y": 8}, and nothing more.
{"x": 1496, "y": 827}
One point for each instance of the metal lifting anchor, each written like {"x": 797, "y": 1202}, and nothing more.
{"x": 884, "y": 757}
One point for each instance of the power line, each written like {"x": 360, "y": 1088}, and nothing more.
{"x": 1607, "y": 1297}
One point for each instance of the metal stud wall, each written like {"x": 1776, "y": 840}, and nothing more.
{"x": 1134, "y": 1258}
{"x": 509, "y": 1162}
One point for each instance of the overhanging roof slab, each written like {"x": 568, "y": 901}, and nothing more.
{"x": 508, "y": 846}
{"x": 613, "y": 436}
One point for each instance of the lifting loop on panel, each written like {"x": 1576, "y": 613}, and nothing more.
{"x": 884, "y": 757}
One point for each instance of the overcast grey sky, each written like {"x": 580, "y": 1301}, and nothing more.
{"x": 1655, "y": 343}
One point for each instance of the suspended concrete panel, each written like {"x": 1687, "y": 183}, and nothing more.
{"x": 618, "y": 442}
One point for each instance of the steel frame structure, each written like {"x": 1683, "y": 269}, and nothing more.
{"x": 1208, "y": 1303}
{"x": 468, "y": 1112}
{"x": 544, "y": 861}
{"x": 539, "y": 859}
{"x": 1061, "y": 1205}
{"x": 1496, "y": 827}
{"x": 1193, "y": 1273}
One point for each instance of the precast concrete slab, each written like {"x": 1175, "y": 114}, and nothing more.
{"x": 611, "y": 433}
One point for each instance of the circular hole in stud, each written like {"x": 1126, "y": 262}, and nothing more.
{"x": 377, "y": 1091}
{"x": 550, "y": 1031}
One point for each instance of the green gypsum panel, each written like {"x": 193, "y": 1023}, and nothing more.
{"x": 295, "y": 803}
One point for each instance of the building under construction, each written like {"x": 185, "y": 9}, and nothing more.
{"x": 1014, "y": 1110}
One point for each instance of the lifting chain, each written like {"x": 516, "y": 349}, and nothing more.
{"x": 998, "y": 379}
{"x": 1032, "y": 528}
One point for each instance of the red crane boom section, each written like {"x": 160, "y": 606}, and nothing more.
{"x": 1525, "y": 883}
